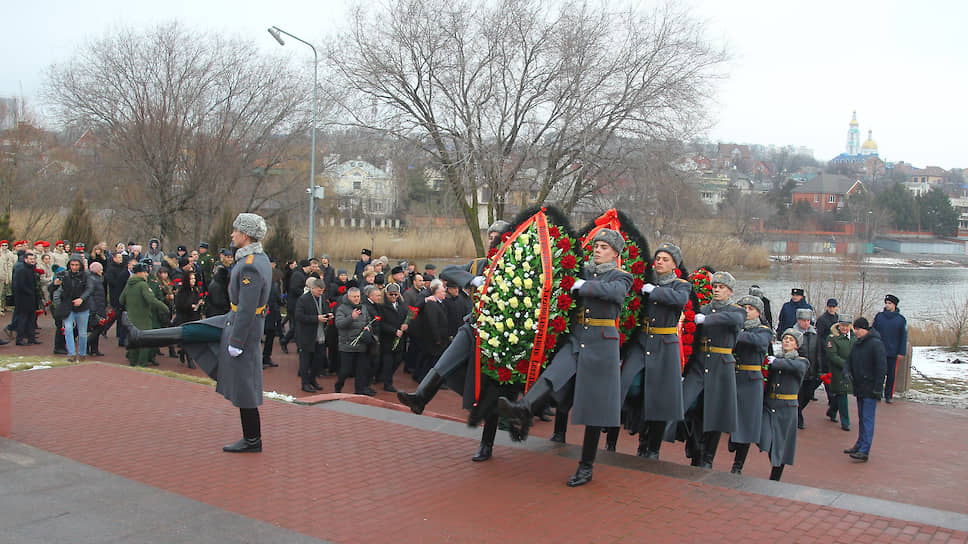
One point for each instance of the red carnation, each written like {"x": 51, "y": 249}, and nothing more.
{"x": 633, "y": 251}
{"x": 686, "y": 351}
{"x": 491, "y": 253}
{"x": 635, "y": 303}
{"x": 687, "y": 339}
{"x": 564, "y": 302}
{"x": 629, "y": 322}
{"x": 564, "y": 244}
{"x": 490, "y": 364}
{"x": 505, "y": 236}
{"x": 568, "y": 262}
{"x": 638, "y": 267}
{"x": 567, "y": 283}
{"x": 377, "y": 318}
{"x": 558, "y": 324}
{"x": 342, "y": 289}
{"x": 688, "y": 305}
{"x": 689, "y": 327}
{"x": 637, "y": 284}
{"x": 690, "y": 315}
{"x": 554, "y": 231}
{"x": 504, "y": 374}
{"x": 678, "y": 273}
{"x": 550, "y": 341}
{"x": 332, "y": 305}
{"x": 621, "y": 338}
{"x": 522, "y": 366}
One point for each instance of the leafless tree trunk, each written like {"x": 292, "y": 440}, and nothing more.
{"x": 184, "y": 119}
{"x": 491, "y": 89}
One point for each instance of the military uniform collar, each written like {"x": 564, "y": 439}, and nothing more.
{"x": 251, "y": 249}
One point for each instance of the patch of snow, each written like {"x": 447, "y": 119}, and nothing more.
{"x": 936, "y": 362}
{"x": 278, "y": 396}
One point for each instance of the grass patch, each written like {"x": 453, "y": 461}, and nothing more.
{"x": 21, "y": 362}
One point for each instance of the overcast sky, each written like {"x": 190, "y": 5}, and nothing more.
{"x": 797, "y": 71}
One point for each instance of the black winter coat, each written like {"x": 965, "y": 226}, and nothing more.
{"x": 390, "y": 322}
{"x": 306, "y": 320}
{"x": 77, "y": 285}
{"x": 274, "y": 315}
{"x": 24, "y": 286}
{"x": 297, "y": 284}
{"x": 115, "y": 278}
{"x": 431, "y": 328}
{"x": 217, "y": 302}
{"x": 867, "y": 366}
{"x": 99, "y": 296}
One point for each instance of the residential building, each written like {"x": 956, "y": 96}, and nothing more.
{"x": 827, "y": 192}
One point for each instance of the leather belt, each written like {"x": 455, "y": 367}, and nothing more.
{"x": 259, "y": 310}
{"x": 783, "y": 396}
{"x": 596, "y": 322}
{"x": 714, "y": 349}
{"x": 649, "y": 329}
{"x": 751, "y": 368}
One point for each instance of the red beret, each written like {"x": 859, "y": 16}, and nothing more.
{"x": 4, "y": 242}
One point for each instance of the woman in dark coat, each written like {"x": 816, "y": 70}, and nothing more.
{"x": 99, "y": 309}
{"x": 750, "y": 351}
{"x": 778, "y": 433}
{"x": 188, "y": 307}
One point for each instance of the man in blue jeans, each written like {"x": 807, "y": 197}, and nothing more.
{"x": 76, "y": 291}
{"x": 893, "y": 330}
{"x": 867, "y": 366}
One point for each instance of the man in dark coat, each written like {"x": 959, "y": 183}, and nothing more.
{"x": 431, "y": 327}
{"x": 711, "y": 371}
{"x": 309, "y": 322}
{"x": 809, "y": 349}
{"x": 24, "y": 288}
{"x": 371, "y": 300}
{"x": 217, "y": 302}
{"x": 393, "y": 334}
{"x": 588, "y": 367}
{"x": 206, "y": 263}
{"x": 750, "y": 351}
{"x": 365, "y": 257}
{"x": 353, "y": 324}
{"x": 826, "y": 321}
{"x": 76, "y": 292}
{"x": 892, "y": 327}
{"x": 788, "y": 313}
{"x": 273, "y": 323}
{"x": 458, "y": 305}
{"x": 297, "y": 284}
{"x": 778, "y": 435}
{"x": 867, "y": 367}
{"x": 654, "y": 360}
{"x": 839, "y": 344}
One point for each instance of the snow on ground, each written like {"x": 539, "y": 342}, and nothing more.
{"x": 278, "y": 396}
{"x": 883, "y": 262}
{"x": 939, "y": 376}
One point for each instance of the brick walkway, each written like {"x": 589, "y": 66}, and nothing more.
{"x": 348, "y": 478}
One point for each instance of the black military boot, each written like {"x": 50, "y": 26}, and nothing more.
{"x": 710, "y": 441}
{"x": 150, "y": 339}
{"x": 582, "y": 476}
{"x": 650, "y": 440}
{"x": 742, "y": 450}
{"x": 776, "y": 472}
{"x": 520, "y": 413}
{"x": 611, "y": 439}
{"x": 487, "y": 439}
{"x": 245, "y": 445}
{"x": 428, "y": 387}
{"x": 589, "y": 449}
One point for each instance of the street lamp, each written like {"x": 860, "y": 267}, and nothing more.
{"x": 276, "y": 33}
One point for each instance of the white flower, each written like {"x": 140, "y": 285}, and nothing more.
{"x": 517, "y": 282}
{"x": 484, "y": 336}
{"x": 513, "y": 302}
{"x": 499, "y": 326}
{"x": 528, "y": 303}
{"x": 528, "y": 283}
{"x": 513, "y": 338}
{"x": 529, "y": 324}
{"x": 510, "y": 323}
{"x": 524, "y": 238}
{"x": 526, "y": 266}
{"x": 493, "y": 342}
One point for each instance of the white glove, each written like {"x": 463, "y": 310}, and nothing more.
{"x": 770, "y": 359}
{"x": 648, "y": 288}
{"x": 234, "y": 351}
{"x": 477, "y": 281}
{"x": 578, "y": 283}
{"x": 700, "y": 318}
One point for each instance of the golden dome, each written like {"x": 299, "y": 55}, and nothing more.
{"x": 869, "y": 144}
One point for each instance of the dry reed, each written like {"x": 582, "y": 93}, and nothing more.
{"x": 411, "y": 244}
{"x": 928, "y": 334}
{"x": 722, "y": 253}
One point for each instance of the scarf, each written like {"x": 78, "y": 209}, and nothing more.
{"x": 592, "y": 268}
{"x": 751, "y": 324}
{"x": 791, "y": 354}
{"x": 243, "y": 252}
{"x": 667, "y": 278}
{"x": 718, "y": 304}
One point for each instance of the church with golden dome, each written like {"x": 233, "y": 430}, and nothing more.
{"x": 857, "y": 152}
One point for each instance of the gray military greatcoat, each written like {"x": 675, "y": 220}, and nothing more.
{"x": 591, "y": 355}
{"x": 750, "y": 350}
{"x": 712, "y": 373}
{"x": 239, "y": 379}
{"x": 657, "y": 356}
{"x": 778, "y": 434}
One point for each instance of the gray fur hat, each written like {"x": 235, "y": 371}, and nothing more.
{"x": 250, "y": 224}
{"x": 804, "y": 313}
{"x": 797, "y": 335}
{"x": 756, "y": 291}
{"x": 724, "y": 278}
{"x": 751, "y": 301}
{"x": 673, "y": 250}
{"x": 612, "y": 238}
{"x": 498, "y": 226}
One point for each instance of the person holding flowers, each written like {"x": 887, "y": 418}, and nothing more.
{"x": 750, "y": 351}
{"x": 778, "y": 432}
{"x": 652, "y": 364}
{"x": 710, "y": 372}
{"x": 352, "y": 323}
{"x": 588, "y": 365}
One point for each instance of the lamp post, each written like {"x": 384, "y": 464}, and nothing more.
{"x": 276, "y": 33}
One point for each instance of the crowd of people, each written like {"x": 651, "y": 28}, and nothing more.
{"x": 366, "y": 322}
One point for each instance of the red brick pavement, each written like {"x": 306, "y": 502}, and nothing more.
{"x": 347, "y": 478}
{"x": 916, "y": 456}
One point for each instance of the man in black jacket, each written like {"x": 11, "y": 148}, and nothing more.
{"x": 76, "y": 289}
{"x": 297, "y": 284}
{"x": 24, "y": 287}
{"x": 311, "y": 314}
{"x": 432, "y": 329}
{"x": 393, "y": 341}
{"x": 867, "y": 367}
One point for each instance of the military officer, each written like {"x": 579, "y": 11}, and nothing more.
{"x": 750, "y": 351}
{"x": 778, "y": 432}
{"x": 588, "y": 367}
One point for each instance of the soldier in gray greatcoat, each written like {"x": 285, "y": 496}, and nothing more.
{"x": 750, "y": 351}
{"x": 227, "y": 346}
{"x": 710, "y": 371}
{"x": 588, "y": 366}
{"x": 654, "y": 360}
{"x": 778, "y": 432}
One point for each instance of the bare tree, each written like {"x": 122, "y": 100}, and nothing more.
{"x": 188, "y": 121}
{"x": 490, "y": 89}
